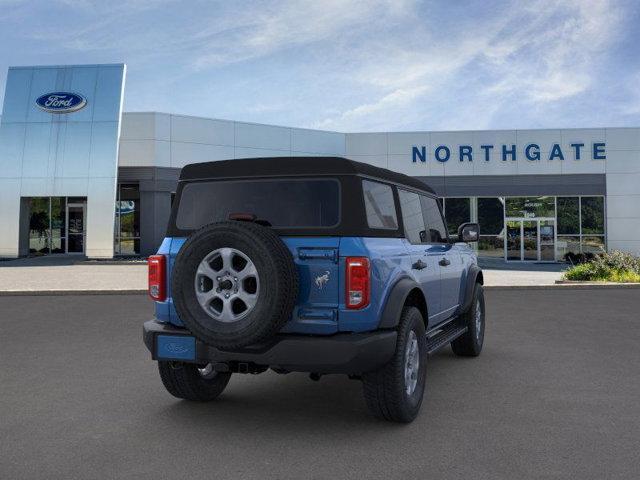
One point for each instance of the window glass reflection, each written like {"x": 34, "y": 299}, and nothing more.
{"x": 457, "y": 211}
{"x": 491, "y": 215}
{"x": 593, "y": 244}
{"x": 592, "y": 212}
{"x": 568, "y": 216}
{"x": 127, "y": 220}
{"x": 530, "y": 207}
{"x": 39, "y": 225}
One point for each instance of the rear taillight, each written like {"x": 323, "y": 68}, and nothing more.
{"x": 357, "y": 282}
{"x": 157, "y": 277}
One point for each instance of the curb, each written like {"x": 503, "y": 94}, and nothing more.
{"x": 22, "y": 293}
{"x": 556, "y": 286}
{"x": 565, "y": 286}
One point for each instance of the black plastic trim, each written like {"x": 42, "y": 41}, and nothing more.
{"x": 395, "y": 302}
{"x": 348, "y": 353}
{"x": 472, "y": 277}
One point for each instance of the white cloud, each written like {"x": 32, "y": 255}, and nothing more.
{"x": 550, "y": 57}
{"x": 353, "y": 64}
{"x": 286, "y": 24}
{"x": 534, "y": 55}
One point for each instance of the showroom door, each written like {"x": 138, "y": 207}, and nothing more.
{"x": 76, "y": 220}
{"x": 531, "y": 240}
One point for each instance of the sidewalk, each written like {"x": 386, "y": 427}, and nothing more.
{"x": 63, "y": 274}
{"x": 66, "y": 275}
{"x": 498, "y": 273}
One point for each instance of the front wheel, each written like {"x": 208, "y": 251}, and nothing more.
{"x": 470, "y": 344}
{"x": 395, "y": 391}
{"x": 192, "y": 382}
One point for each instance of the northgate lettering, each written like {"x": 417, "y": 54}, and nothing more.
{"x": 531, "y": 152}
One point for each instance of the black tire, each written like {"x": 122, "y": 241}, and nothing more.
{"x": 385, "y": 390}
{"x": 277, "y": 290}
{"x": 183, "y": 380}
{"x": 470, "y": 344}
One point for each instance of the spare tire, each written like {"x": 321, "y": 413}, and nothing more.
{"x": 234, "y": 284}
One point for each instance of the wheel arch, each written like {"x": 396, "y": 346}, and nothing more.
{"x": 405, "y": 292}
{"x": 474, "y": 275}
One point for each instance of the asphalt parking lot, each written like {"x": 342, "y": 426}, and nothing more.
{"x": 555, "y": 394}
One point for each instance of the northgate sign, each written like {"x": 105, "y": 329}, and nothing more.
{"x": 531, "y": 152}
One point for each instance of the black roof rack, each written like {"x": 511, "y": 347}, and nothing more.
{"x": 295, "y": 166}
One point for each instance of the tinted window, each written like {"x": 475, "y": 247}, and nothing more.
{"x": 456, "y": 211}
{"x": 436, "y": 232}
{"x": 379, "y": 205}
{"x": 592, "y": 215}
{"x": 491, "y": 215}
{"x": 568, "y": 215}
{"x": 282, "y": 203}
{"x": 412, "y": 216}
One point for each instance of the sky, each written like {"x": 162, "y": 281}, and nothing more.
{"x": 351, "y": 66}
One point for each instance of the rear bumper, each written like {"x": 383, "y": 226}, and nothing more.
{"x": 349, "y": 353}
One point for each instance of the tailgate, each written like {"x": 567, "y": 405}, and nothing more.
{"x": 316, "y": 259}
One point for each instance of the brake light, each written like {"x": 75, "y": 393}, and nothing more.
{"x": 157, "y": 277}
{"x": 357, "y": 282}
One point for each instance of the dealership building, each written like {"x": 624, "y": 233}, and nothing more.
{"x": 80, "y": 176}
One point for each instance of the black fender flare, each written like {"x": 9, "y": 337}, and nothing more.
{"x": 474, "y": 275}
{"x": 395, "y": 302}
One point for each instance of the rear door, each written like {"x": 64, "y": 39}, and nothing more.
{"x": 424, "y": 262}
{"x": 444, "y": 253}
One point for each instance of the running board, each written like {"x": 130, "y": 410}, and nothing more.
{"x": 443, "y": 338}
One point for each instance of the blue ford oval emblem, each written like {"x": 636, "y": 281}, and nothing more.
{"x": 61, "y": 102}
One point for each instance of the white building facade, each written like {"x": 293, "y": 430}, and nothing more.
{"x": 537, "y": 194}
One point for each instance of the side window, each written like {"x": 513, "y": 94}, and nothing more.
{"x": 412, "y": 217}
{"x": 436, "y": 231}
{"x": 379, "y": 205}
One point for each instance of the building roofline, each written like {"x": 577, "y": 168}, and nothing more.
{"x": 378, "y": 132}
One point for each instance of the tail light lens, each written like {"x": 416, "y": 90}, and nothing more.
{"x": 357, "y": 282}
{"x": 157, "y": 277}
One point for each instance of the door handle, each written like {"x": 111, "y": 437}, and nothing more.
{"x": 419, "y": 265}
{"x": 444, "y": 262}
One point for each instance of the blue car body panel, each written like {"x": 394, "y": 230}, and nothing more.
{"x": 320, "y": 261}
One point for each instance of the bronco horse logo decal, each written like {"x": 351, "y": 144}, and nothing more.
{"x": 321, "y": 280}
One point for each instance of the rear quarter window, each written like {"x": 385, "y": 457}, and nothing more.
{"x": 379, "y": 205}
{"x": 284, "y": 203}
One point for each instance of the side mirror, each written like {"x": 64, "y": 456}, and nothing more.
{"x": 469, "y": 232}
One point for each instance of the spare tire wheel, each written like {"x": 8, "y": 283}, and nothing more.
{"x": 234, "y": 284}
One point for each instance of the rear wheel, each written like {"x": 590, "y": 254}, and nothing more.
{"x": 192, "y": 382}
{"x": 395, "y": 392}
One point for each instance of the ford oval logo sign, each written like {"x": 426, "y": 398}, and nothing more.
{"x": 61, "y": 102}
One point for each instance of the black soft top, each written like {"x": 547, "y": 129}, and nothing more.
{"x": 294, "y": 166}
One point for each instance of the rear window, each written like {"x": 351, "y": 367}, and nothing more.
{"x": 284, "y": 203}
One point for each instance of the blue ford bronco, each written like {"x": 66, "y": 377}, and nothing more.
{"x": 320, "y": 265}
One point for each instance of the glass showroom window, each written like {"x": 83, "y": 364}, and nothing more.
{"x": 580, "y": 225}
{"x": 530, "y": 207}
{"x": 456, "y": 211}
{"x": 47, "y": 225}
{"x": 127, "y": 228}
{"x": 592, "y": 223}
{"x": 58, "y": 224}
{"x": 39, "y": 225}
{"x": 568, "y": 226}
{"x": 491, "y": 220}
